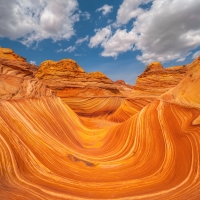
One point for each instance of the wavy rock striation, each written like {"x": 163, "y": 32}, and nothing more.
{"x": 89, "y": 94}
{"x": 48, "y": 152}
{"x": 152, "y": 83}
{"x": 17, "y": 78}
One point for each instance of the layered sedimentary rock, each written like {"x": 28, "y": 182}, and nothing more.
{"x": 153, "y": 155}
{"x": 6, "y": 53}
{"x": 187, "y": 91}
{"x": 67, "y": 78}
{"x": 17, "y": 78}
{"x": 49, "y": 152}
{"x": 89, "y": 94}
{"x": 153, "y": 82}
{"x": 156, "y": 80}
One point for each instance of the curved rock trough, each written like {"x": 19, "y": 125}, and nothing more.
{"x": 113, "y": 141}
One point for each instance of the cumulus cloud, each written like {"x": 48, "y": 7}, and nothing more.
{"x": 196, "y": 54}
{"x": 30, "y": 21}
{"x": 113, "y": 45}
{"x": 120, "y": 42}
{"x": 101, "y": 36}
{"x": 170, "y": 35}
{"x": 168, "y": 30}
{"x": 105, "y": 9}
{"x": 130, "y": 9}
{"x": 70, "y": 49}
{"x": 81, "y": 40}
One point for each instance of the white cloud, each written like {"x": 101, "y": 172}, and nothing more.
{"x": 181, "y": 59}
{"x": 105, "y": 9}
{"x": 166, "y": 31}
{"x": 109, "y": 21}
{"x": 130, "y": 9}
{"x": 59, "y": 50}
{"x": 33, "y": 62}
{"x": 165, "y": 36}
{"x": 81, "y": 40}
{"x": 121, "y": 41}
{"x": 196, "y": 54}
{"x": 30, "y": 21}
{"x": 70, "y": 49}
{"x": 101, "y": 35}
{"x": 73, "y": 48}
{"x": 86, "y": 15}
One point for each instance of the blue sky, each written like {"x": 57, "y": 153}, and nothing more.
{"x": 116, "y": 37}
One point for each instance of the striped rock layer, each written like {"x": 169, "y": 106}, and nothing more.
{"x": 17, "y": 78}
{"x": 88, "y": 94}
{"x": 49, "y": 152}
{"x": 152, "y": 83}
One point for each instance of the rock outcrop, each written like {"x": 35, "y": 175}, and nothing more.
{"x": 68, "y": 79}
{"x": 88, "y": 94}
{"x": 17, "y": 78}
{"x": 187, "y": 92}
{"x": 156, "y": 80}
{"x": 153, "y": 82}
{"x": 6, "y": 53}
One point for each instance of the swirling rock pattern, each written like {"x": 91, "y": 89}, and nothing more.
{"x": 88, "y": 94}
{"x": 17, "y": 78}
{"x": 152, "y": 83}
{"x": 48, "y": 152}
{"x": 68, "y": 79}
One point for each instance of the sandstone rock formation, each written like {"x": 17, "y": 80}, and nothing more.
{"x": 17, "y": 78}
{"x": 67, "y": 78}
{"x": 153, "y": 82}
{"x": 88, "y": 94}
{"x": 47, "y": 151}
{"x": 156, "y": 80}
{"x": 187, "y": 92}
{"x": 6, "y": 53}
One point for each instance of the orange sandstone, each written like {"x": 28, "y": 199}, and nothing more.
{"x": 49, "y": 152}
{"x": 153, "y": 82}
{"x": 88, "y": 94}
{"x": 17, "y": 78}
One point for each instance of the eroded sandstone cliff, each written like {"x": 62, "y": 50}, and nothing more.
{"x": 88, "y": 94}
{"x": 17, "y": 78}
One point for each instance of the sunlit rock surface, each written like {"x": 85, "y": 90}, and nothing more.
{"x": 153, "y": 82}
{"x": 88, "y": 94}
{"x": 67, "y": 78}
{"x": 48, "y": 152}
{"x": 17, "y": 78}
{"x": 156, "y": 80}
